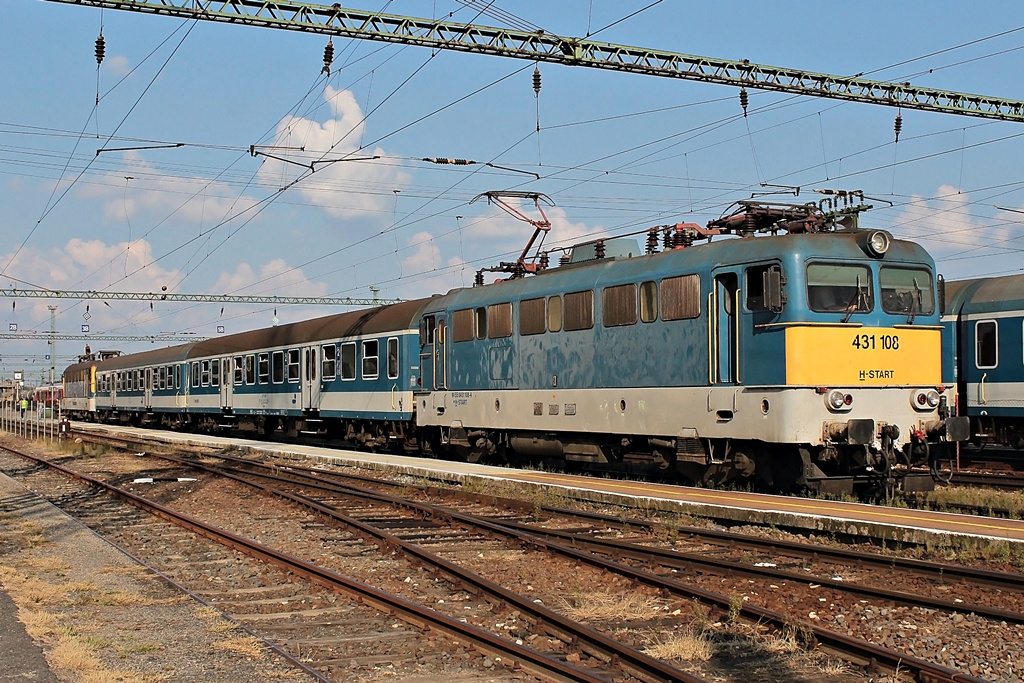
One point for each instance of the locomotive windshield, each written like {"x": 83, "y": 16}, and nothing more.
{"x": 839, "y": 288}
{"x": 906, "y": 290}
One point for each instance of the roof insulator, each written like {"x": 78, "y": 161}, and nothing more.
{"x": 898, "y": 125}
{"x": 744, "y": 101}
{"x": 536, "y": 81}
{"x": 101, "y": 49}
{"x": 328, "y": 57}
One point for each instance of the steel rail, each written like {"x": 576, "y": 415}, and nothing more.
{"x": 565, "y": 629}
{"x": 539, "y": 46}
{"x": 853, "y": 649}
{"x": 413, "y": 613}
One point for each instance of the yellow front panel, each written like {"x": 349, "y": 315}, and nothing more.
{"x": 848, "y": 356}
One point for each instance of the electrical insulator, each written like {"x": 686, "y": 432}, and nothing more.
{"x": 898, "y": 125}
{"x": 101, "y": 49}
{"x": 599, "y": 249}
{"x": 328, "y": 58}
{"x": 544, "y": 262}
{"x": 744, "y": 101}
{"x": 564, "y": 259}
{"x": 478, "y": 281}
{"x": 652, "y": 241}
{"x": 536, "y": 81}
{"x": 666, "y": 240}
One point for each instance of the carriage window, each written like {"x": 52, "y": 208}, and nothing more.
{"x": 161, "y": 378}
{"x": 839, "y": 288}
{"x": 680, "y": 297}
{"x": 293, "y": 365}
{"x": 215, "y": 372}
{"x": 264, "y": 368}
{"x": 986, "y": 346}
{"x": 649, "y": 302}
{"x": 462, "y": 325}
{"x": 195, "y": 373}
{"x": 277, "y": 367}
{"x": 370, "y": 352}
{"x": 499, "y": 320}
{"x": 206, "y": 373}
{"x": 238, "y": 365}
{"x": 427, "y": 327}
{"x": 348, "y": 360}
{"x": 531, "y": 317}
{"x": 480, "y": 322}
{"x": 906, "y": 290}
{"x": 619, "y": 305}
{"x": 579, "y": 310}
{"x": 555, "y": 314}
{"x": 250, "y": 369}
{"x": 393, "y": 358}
{"x": 330, "y": 365}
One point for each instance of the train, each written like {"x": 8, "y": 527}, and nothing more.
{"x": 983, "y": 338}
{"x": 780, "y": 346}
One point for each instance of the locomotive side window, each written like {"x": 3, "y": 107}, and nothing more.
{"x": 250, "y": 369}
{"x": 531, "y": 317}
{"x": 985, "y": 344}
{"x": 293, "y": 365}
{"x": 215, "y": 372}
{"x": 427, "y": 327}
{"x": 680, "y": 297}
{"x": 462, "y": 325}
{"x": 499, "y": 318}
{"x": 839, "y": 288}
{"x": 480, "y": 319}
{"x": 329, "y": 368}
{"x": 619, "y": 305}
{"x": 238, "y": 365}
{"x": 277, "y": 367}
{"x": 579, "y": 310}
{"x": 348, "y": 360}
{"x": 906, "y": 290}
{"x": 649, "y": 301}
{"x": 370, "y": 353}
{"x": 393, "y": 358}
{"x": 555, "y": 314}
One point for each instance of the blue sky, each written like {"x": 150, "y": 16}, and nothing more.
{"x": 616, "y": 152}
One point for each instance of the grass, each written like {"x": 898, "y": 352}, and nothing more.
{"x": 685, "y": 646}
{"x": 243, "y": 645}
{"x": 600, "y": 606}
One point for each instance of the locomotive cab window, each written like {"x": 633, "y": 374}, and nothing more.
{"x": 754, "y": 287}
{"x": 839, "y": 288}
{"x": 427, "y": 327}
{"x": 906, "y": 291}
{"x": 348, "y": 361}
{"x": 370, "y": 356}
{"x": 618, "y": 305}
{"x": 986, "y": 344}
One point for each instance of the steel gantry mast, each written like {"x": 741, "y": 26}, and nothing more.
{"x": 539, "y": 46}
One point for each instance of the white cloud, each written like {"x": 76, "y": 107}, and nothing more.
{"x": 346, "y": 189}
{"x": 116, "y": 66}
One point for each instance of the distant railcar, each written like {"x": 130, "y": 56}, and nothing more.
{"x": 983, "y": 323}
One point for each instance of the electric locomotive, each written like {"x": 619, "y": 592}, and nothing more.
{"x": 983, "y": 334}
{"x": 802, "y": 352}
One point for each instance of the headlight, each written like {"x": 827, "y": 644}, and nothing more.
{"x": 925, "y": 400}
{"x": 838, "y": 400}
{"x": 878, "y": 243}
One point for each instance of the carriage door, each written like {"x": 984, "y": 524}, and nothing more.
{"x": 148, "y": 389}
{"x": 227, "y": 383}
{"x": 725, "y": 329}
{"x": 310, "y": 380}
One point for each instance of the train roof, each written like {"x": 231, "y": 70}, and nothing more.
{"x": 985, "y": 295}
{"x": 380, "y": 320}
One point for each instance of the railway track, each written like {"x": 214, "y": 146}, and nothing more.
{"x": 854, "y": 651}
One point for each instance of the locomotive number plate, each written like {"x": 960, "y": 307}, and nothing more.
{"x": 817, "y": 355}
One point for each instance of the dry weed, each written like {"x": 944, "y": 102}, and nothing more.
{"x": 597, "y": 606}
{"x": 38, "y": 623}
{"x": 685, "y": 646}
{"x": 56, "y": 565}
{"x": 243, "y": 645}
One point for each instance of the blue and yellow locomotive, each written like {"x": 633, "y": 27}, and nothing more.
{"x": 795, "y": 350}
